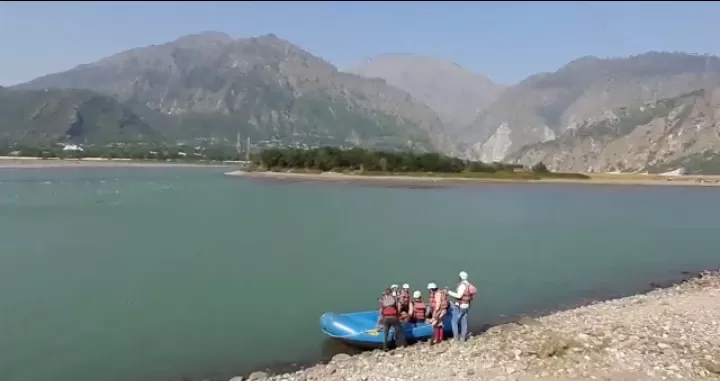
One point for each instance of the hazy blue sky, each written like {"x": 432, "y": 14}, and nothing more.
{"x": 505, "y": 41}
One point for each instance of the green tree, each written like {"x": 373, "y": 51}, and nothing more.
{"x": 540, "y": 168}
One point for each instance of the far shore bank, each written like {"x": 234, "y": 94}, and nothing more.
{"x": 400, "y": 180}
{"x": 669, "y": 333}
{"x": 15, "y": 162}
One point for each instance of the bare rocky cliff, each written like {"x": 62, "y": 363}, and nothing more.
{"x": 657, "y": 136}
{"x": 544, "y": 106}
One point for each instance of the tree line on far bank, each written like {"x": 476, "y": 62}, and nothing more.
{"x": 359, "y": 159}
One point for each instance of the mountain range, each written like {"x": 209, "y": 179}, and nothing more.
{"x": 593, "y": 113}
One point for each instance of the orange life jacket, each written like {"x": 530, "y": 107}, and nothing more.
{"x": 419, "y": 310}
{"x": 443, "y": 299}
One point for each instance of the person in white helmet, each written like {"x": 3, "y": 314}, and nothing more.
{"x": 418, "y": 308}
{"x": 389, "y": 317}
{"x": 394, "y": 289}
{"x": 437, "y": 311}
{"x": 463, "y": 298}
{"x": 404, "y": 299}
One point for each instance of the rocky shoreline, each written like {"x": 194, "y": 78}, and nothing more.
{"x": 665, "y": 334}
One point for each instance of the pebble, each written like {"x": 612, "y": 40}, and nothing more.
{"x": 257, "y": 376}
{"x": 341, "y": 357}
{"x": 667, "y": 334}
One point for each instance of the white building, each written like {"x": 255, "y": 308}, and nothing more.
{"x": 72, "y": 147}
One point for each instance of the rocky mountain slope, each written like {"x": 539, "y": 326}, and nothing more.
{"x": 79, "y": 116}
{"x": 678, "y": 132}
{"x": 544, "y": 106}
{"x": 210, "y": 85}
{"x": 456, "y": 94}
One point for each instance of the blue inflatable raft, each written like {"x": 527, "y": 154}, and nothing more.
{"x": 360, "y": 329}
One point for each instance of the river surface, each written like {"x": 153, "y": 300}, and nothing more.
{"x": 162, "y": 274}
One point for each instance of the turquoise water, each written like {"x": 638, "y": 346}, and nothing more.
{"x": 159, "y": 274}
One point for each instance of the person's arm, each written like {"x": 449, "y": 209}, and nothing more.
{"x": 460, "y": 291}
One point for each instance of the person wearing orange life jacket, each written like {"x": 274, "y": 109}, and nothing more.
{"x": 418, "y": 308}
{"x": 463, "y": 299}
{"x": 437, "y": 311}
{"x": 389, "y": 317}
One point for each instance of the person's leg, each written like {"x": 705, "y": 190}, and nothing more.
{"x": 386, "y": 329}
{"x": 455, "y": 319}
{"x": 399, "y": 334}
{"x": 464, "y": 323}
{"x": 440, "y": 327}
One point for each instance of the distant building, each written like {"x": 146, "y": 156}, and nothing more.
{"x": 72, "y": 147}
{"x": 677, "y": 172}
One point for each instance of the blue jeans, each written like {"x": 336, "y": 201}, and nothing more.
{"x": 459, "y": 320}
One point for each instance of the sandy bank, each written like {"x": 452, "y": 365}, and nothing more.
{"x": 668, "y": 334}
{"x": 33, "y": 162}
{"x": 599, "y": 179}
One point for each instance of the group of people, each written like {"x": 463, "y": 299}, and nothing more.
{"x": 398, "y": 306}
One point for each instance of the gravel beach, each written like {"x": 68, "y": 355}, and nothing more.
{"x": 667, "y": 334}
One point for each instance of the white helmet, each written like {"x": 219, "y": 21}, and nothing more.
{"x": 432, "y": 286}
{"x": 417, "y": 294}
{"x": 463, "y": 275}
{"x": 406, "y": 286}
{"x": 393, "y": 287}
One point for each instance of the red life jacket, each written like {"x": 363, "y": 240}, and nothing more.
{"x": 389, "y": 311}
{"x": 405, "y": 297}
{"x": 469, "y": 293}
{"x": 419, "y": 310}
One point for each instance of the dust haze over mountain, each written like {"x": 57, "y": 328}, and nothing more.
{"x": 456, "y": 94}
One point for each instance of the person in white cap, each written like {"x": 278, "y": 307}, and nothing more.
{"x": 463, "y": 298}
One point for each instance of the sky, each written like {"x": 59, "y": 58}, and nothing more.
{"x": 506, "y": 41}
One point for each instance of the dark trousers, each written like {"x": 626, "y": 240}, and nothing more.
{"x": 389, "y": 322}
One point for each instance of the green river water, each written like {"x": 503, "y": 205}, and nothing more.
{"x": 144, "y": 274}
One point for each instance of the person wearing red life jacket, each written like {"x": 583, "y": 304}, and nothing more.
{"x": 437, "y": 311}
{"x": 463, "y": 299}
{"x": 404, "y": 298}
{"x": 418, "y": 308}
{"x": 389, "y": 317}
